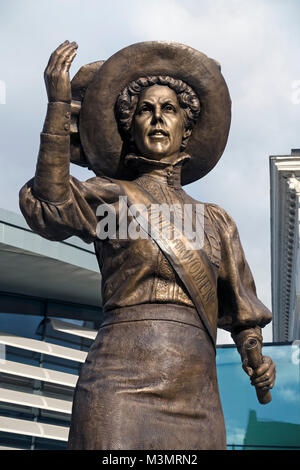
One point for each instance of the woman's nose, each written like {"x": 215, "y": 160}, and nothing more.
{"x": 157, "y": 114}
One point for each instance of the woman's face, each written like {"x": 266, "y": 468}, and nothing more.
{"x": 158, "y": 124}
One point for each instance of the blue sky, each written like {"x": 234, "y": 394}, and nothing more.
{"x": 256, "y": 43}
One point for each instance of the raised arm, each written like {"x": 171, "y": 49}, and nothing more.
{"x": 54, "y": 204}
{"x": 52, "y": 182}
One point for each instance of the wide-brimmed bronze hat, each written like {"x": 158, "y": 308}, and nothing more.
{"x": 95, "y": 89}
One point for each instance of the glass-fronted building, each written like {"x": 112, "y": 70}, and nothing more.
{"x": 49, "y": 317}
{"x": 250, "y": 425}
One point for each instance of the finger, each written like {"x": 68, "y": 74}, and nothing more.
{"x": 272, "y": 384}
{"x": 68, "y": 61}
{"x": 62, "y": 46}
{"x": 267, "y": 359}
{"x": 54, "y": 55}
{"x": 266, "y": 375}
{"x": 260, "y": 371}
{"x": 71, "y": 52}
{"x": 60, "y": 57}
{"x": 265, "y": 367}
{"x": 268, "y": 387}
{"x": 265, "y": 383}
{"x": 248, "y": 369}
{"x": 65, "y": 52}
{"x": 60, "y": 65}
{"x": 264, "y": 380}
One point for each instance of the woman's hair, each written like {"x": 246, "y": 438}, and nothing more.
{"x": 128, "y": 98}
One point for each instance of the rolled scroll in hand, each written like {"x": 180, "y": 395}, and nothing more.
{"x": 255, "y": 359}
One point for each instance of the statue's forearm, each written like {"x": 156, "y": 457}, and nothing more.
{"x": 52, "y": 180}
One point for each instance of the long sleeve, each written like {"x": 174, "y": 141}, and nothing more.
{"x": 240, "y": 311}
{"x": 74, "y": 217}
{"x": 54, "y": 204}
{"x": 58, "y": 221}
{"x": 51, "y": 181}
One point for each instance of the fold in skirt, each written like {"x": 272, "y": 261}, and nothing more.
{"x": 149, "y": 382}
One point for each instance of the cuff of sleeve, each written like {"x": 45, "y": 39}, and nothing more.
{"x": 58, "y": 119}
{"x": 52, "y": 177}
{"x": 55, "y": 148}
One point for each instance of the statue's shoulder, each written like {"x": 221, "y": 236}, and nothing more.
{"x": 97, "y": 187}
{"x": 219, "y": 216}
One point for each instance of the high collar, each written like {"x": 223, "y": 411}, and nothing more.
{"x": 164, "y": 172}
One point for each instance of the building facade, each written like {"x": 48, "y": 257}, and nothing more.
{"x": 285, "y": 248}
{"x": 49, "y": 316}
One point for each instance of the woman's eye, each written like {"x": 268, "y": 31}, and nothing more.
{"x": 143, "y": 109}
{"x": 169, "y": 107}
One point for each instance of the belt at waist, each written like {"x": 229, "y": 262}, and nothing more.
{"x": 169, "y": 312}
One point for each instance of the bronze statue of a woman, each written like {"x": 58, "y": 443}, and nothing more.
{"x": 153, "y": 117}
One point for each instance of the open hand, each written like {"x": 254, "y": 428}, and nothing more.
{"x": 56, "y": 74}
{"x": 264, "y": 376}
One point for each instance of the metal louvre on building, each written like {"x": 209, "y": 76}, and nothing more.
{"x": 39, "y": 401}
{"x": 42, "y": 347}
{"x": 31, "y": 428}
{"x": 38, "y": 373}
{"x": 75, "y": 330}
{"x": 9, "y": 448}
{"x": 35, "y": 401}
{"x": 47, "y": 407}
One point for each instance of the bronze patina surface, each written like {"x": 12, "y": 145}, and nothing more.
{"x": 153, "y": 117}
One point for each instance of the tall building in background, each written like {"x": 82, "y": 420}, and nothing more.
{"x": 285, "y": 247}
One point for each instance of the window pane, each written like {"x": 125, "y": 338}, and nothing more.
{"x": 248, "y": 423}
{"x": 21, "y": 325}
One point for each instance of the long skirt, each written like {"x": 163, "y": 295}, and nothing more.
{"x": 149, "y": 382}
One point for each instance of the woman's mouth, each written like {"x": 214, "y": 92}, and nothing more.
{"x": 158, "y": 134}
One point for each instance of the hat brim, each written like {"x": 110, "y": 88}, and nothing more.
{"x": 99, "y": 134}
